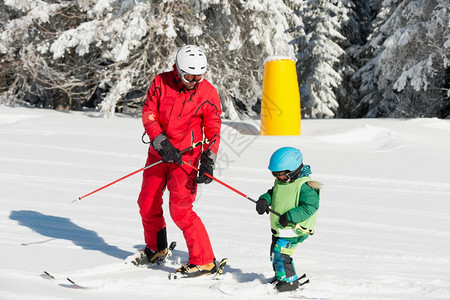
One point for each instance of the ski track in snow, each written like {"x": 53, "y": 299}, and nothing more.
{"x": 382, "y": 230}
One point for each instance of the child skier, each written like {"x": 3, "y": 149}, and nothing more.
{"x": 295, "y": 197}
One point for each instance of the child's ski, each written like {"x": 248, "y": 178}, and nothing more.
{"x": 274, "y": 280}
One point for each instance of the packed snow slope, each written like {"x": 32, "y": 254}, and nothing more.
{"x": 383, "y": 229}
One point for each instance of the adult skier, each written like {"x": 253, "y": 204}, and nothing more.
{"x": 181, "y": 107}
{"x": 295, "y": 197}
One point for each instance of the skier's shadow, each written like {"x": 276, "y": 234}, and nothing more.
{"x": 64, "y": 229}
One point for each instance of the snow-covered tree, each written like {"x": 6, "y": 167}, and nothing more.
{"x": 354, "y": 58}
{"x": 407, "y": 75}
{"x": 70, "y": 54}
{"x": 356, "y": 29}
{"x": 320, "y": 54}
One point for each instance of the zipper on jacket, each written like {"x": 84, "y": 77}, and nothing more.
{"x": 179, "y": 116}
{"x": 192, "y": 93}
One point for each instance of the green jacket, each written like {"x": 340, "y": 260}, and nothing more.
{"x": 299, "y": 200}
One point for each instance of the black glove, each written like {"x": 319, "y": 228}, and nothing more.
{"x": 262, "y": 206}
{"x": 206, "y": 166}
{"x": 168, "y": 152}
{"x": 283, "y": 220}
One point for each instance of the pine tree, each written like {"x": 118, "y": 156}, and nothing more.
{"x": 71, "y": 54}
{"x": 406, "y": 76}
{"x": 378, "y": 58}
{"x": 321, "y": 54}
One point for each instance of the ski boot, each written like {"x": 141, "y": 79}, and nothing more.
{"x": 285, "y": 286}
{"x": 148, "y": 256}
{"x": 191, "y": 270}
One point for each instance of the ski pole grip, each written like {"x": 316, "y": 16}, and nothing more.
{"x": 195, "y": 145}
{"x": 199, "y": 143}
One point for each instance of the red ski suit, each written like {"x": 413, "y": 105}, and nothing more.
{"x": 182, "y": 115}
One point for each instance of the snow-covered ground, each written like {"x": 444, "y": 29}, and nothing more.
{"x": 383, "y": 229}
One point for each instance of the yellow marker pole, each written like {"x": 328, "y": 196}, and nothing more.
{"x": 280, "y": 102}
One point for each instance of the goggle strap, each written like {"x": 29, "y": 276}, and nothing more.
{"x": 294, "y": 174}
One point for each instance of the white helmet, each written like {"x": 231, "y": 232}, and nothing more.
{"x": 191, "y": 60}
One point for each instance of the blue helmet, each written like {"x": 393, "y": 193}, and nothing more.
{"x": 286, "y": 159}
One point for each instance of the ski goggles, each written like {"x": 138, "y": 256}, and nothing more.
{"x": 282, "y": 176}
{"x": 279, "y": 174}
{"x": 287, "y": 176}
{"x": 189, "y": 78}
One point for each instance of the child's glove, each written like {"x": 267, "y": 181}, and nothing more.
{"x": 262, "y": 206}
{"x": 283, "y": 220}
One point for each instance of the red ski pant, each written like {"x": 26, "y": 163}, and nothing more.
{"x": 180, "y": 181}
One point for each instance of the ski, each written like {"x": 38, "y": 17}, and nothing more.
{"x": 76, "y": 285}
{"x": 72, "y": 284}
{"x": 274, "y": 280}
{"x": 303, "y": 283}
{"x": 220, "y": 268}
{"x": 133, "y": 261}
{"x": 214, "y": 276}
{"x": 48, "y": 275}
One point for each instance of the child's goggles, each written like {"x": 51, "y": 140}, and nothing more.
{"x": 279, "y": 174}
{"x": 282, "y": 176}
{"x": 287, "y": 176}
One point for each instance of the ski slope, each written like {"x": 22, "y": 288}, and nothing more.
{"x": 383, "y": 229}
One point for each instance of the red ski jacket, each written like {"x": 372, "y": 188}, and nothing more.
{"x": 181, "y": 113}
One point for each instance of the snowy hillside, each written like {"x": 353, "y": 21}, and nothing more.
{"x": 382, "y": 233}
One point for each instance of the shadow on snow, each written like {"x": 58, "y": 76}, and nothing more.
{"x": 64, "y": 229}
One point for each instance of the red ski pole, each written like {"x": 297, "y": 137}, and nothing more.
{"x": 194, "y": 145}
{"x": 226, "y": 185}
